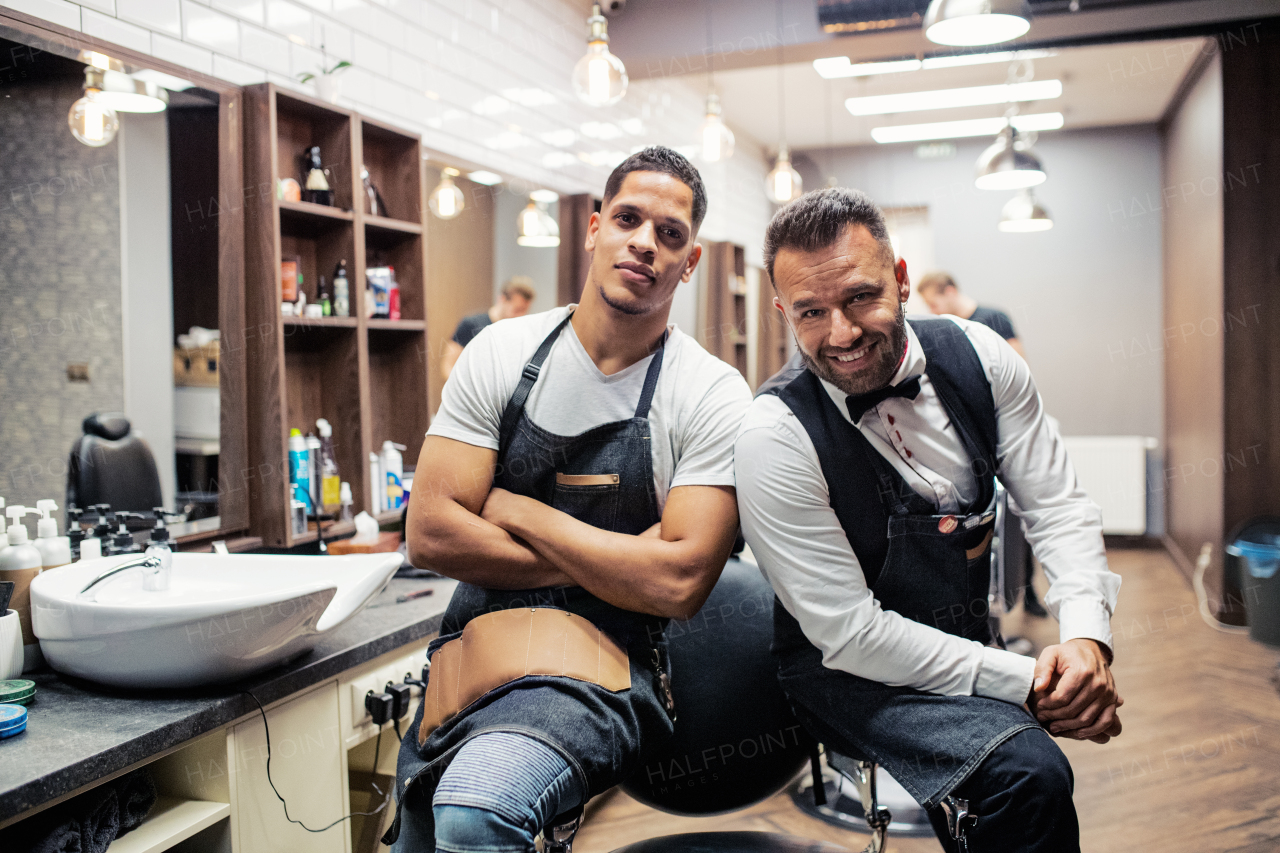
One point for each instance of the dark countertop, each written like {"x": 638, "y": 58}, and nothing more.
{"x": 80, "y": 732}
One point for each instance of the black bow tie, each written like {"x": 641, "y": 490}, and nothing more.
{"x": 859, "y": 404}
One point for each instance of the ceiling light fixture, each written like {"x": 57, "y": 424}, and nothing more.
{"x": 534, "y": 226}
{"x": 942, "y": 99}
{"x": 484, "y": 177}
{"x": 837, "y": 67}
{"x": 1007, "y": 164}
{"x": 124, "y": 94}
{"x": 715, "y": 139}
{"x": 92, "y": 122}
{"x": 783, "y": 183}
{"x": 969, "y": 127}
{"x": 1023, "y": 214}
{"x": 973, "y": 22}
{"x": 599, "y": 78}
{"x": 446, "y": 199}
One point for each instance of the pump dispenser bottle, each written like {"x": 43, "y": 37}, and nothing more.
{"x": 327, "y": 469}
{"x": 54, "y": 550}
{"x": 20, "y": 563}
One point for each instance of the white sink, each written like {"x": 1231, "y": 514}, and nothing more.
{"x": 222, "y": 618}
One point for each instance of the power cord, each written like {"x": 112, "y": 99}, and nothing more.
{"x": 377, "y": 747}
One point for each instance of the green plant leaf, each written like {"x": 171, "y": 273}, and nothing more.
{"x": 306, "y": 77}
{"x": 340, "y": 66}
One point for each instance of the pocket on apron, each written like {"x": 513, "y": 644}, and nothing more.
{"x": 592, "y": 498}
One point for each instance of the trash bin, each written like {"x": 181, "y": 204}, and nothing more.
{"x": 1256, "y": 551}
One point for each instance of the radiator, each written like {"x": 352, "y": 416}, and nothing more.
{"x": 1112, "y": 470}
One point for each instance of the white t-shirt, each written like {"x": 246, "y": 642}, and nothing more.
{"x": 696, "y": 411}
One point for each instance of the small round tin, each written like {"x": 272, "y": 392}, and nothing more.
{"x": 13, "y": 720}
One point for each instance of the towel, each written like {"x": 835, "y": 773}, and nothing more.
{"x": 63, "y": 838}
{"x": 99, "y": 813}
{"x": 136, "y": 794}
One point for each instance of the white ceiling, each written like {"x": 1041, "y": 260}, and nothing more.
{"x": 1114, "y": 84}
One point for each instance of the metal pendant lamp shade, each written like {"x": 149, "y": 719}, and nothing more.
{"x": 1023, "y": 214}
{"x": 1006, "y": 165}
{"x": 967, "y": 23}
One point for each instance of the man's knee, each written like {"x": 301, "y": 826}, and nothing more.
{"x": 1032, "y": 768}
{"x": 475, "y": 829}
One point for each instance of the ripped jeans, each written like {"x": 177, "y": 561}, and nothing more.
{"x": 498, "y": 793}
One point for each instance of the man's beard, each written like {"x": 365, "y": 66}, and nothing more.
{"x": 887, "y": 354}
{"x": 633, "y": 307}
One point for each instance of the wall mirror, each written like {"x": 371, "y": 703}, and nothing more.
{"x": 122, "y": 257}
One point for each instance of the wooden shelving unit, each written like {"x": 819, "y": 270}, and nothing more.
{"x": 367, "y": 376}
{"x": 724, "y": 304}
{"x": 772, "y": 334}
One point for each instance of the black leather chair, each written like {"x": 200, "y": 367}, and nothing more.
{"x": 110, "y": 465}
{"x": 736, "y": 740}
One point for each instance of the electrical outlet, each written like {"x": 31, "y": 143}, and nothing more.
{"x": 359, "y": 689}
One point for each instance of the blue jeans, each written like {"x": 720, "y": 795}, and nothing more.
{"x": 498, "y": 793}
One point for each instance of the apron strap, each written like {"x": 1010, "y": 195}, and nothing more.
{"x": 651, "y": 380}
{"x": 978, "y": 452}
{"x": 528, "y": 377}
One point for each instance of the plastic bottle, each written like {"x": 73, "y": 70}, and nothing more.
{"x": 122, "y": 542}
{"x": 54, "y": 550}
{"x": 341, "y": 291}
{"x": 322, "y": 296}
{"x": 393, "y": 472}
{"x": 159, "y": 546}
{"x": 377, "y": 481}
{"x": 344, "y": 497}
{"x": 20, "y": 563}
{"x": 313, "y": 468}
{"x": 299, "y": 472}
{"x": 4, "y": 536}
{"x": 327, "y": 470}
{"x": 75, "y": 533}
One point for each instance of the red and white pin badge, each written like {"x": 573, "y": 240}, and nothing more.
{"x": 947, "y": 523}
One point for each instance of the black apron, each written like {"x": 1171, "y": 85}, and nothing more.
{"x": 601, "y": 734}
{"x": 934, "y": 569}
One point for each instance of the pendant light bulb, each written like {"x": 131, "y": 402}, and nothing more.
{"x": 535, "y": 227}
{"x": 715, "y": 139}
{"x": 1023, "y": 214}
{"x": 966, "y": 23}
{"x": 599, "y": 78}
{"x": 446, "y": 199}
{"x": 1008, "y": 165}
{"x": 783, "y": 183}
{"x": 92, "y": 122}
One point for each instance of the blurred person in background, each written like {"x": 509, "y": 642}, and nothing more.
{"x": 514, "y": 301}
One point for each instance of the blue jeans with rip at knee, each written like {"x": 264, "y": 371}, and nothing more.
{"x": 498, "y": 793}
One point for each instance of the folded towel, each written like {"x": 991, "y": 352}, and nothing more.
{"x": 99, "y": 812}
{"x": 63, "y": 838}
{"x": 136, "y": 794}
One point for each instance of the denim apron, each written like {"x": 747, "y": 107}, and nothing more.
{"x": 601, "y": 734}
{"x": 934, "y": 569}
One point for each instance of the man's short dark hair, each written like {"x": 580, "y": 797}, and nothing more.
{"x": 817, "y": 219}
{"x": 936, "y": 281}
{"x": 659, "y": 158}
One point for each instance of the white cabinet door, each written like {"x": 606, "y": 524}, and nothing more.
{"x": 308, "y": 771}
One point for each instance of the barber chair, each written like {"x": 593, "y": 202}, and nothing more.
{"x": 111, "y": 465}
{"x": 736, "y": 740}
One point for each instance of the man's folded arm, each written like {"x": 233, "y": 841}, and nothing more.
{"x": 446, "y": 533}
{"x": 797, "y": 539}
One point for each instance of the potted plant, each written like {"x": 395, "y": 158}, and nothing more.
{"x": 328, "y": 84}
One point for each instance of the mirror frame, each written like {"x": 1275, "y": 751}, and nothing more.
{"x": 233, "y": 473}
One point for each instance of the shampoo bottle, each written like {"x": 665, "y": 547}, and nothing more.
{"x": 54, "y": 550}
{"x": 20, "y": 563}
{"x": 313, "y": 468}
{"x": 393, "y": 471}
{"x": 327, "y": 470}
{"x": 377, "y": 481}
{"x": 299, "y": 472}
{"x": 341, "y": 291}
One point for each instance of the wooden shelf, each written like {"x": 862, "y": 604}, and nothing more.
{"x": 304, "y": 219}
{"x": 322, "y": 322}
{"x": 382, "y": 324}
{"x": 391, "y": 226}
{"x": 171, "y": 822}
{"x": 335, "y": 531}
{"x": 389, "y": 516}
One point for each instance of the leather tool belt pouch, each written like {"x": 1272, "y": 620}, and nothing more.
{"x": 500, "y": 647}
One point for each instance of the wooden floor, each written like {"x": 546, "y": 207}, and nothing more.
{"x": 1197, "y": 768}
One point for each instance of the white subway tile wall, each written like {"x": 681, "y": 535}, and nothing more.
{"x": 485, "y": 83}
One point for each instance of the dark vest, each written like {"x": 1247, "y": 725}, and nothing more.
{"x": 856, "y": 482}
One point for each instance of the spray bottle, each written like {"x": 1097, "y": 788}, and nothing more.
{"x": 20, "y": 563}
{"x": 327, "y": 470}
{"x": 54, "y": 550}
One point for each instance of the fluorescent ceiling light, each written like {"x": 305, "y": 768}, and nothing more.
{"x": 486, "y": 178}
{"x": 837, "y": 67}
{"x": 969, "y": 127}
{"x": 545, "y": 196}
{"x": 941, "y": 99}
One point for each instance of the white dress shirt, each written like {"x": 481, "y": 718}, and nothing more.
{"x": 795, "y": 536}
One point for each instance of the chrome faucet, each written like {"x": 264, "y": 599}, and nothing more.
{"x": 155, "y": 575}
